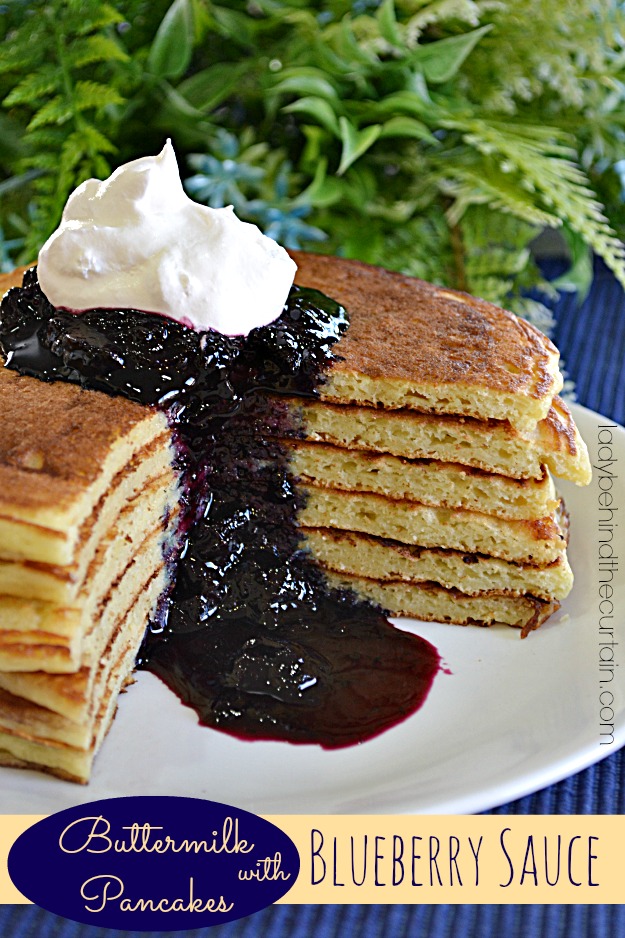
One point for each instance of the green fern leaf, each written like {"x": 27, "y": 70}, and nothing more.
{"x": 56, "y": 111}
{"x": 541, "y": 156}
{"x": 96, "y": 48}
{"x": 471, "y": 187}
{"x": 92, "y": 95}
{"x": 44, "y": 82}
{"x": 97, "y": 141}
{"x": 101, "y": 16}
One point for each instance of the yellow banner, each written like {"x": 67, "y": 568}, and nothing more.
{"x": 457, "y": 859}
{"x": 431, "y": 859}
{"x": 11, "y": 826}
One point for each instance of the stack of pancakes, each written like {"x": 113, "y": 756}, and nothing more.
{"x": 86, "y": 489}
{"x": 426, "y": 464}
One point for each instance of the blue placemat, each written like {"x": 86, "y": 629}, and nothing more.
{"x": 376, "y": 921}
{"x": 591, "y": 337}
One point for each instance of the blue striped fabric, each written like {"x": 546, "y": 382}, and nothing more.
{"x": 377, "y": 921}
{"x": 592, "y": 340}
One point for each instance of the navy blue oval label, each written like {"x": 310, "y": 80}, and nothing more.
{"x": 153, "y": 863}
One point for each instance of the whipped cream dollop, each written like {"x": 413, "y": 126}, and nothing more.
{"x": 137, "y": 241}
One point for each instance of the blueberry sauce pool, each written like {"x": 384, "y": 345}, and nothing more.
{"x": 250, "y": 635}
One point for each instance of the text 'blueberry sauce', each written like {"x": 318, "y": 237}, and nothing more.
{"x": 250, "y": 636}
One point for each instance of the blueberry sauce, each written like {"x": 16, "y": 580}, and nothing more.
{"x": 250, "y": 636}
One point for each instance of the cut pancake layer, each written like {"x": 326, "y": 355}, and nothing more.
{"x": 493, "y": 446}
{"x": 61, "y": 448}
{"x": 540, "y": 541}
{"x": 38, "y": 634}
{"x": 135, "y": 494}
{"x": 412, "y": 344}
{"x": 444, "y": 485}
{"x": 434, "y": 603}
{"x": 105, "y": 595}
{"x": 383, "y": 559}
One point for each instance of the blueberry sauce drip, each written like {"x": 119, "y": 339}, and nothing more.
{"x": 250, "y": 636}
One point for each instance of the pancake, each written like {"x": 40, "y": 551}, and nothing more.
{"x": 492, "y": 446}
{"x": 441, "y": 484}
{"x": 431, "y": 602}
{"x": 541, "y": 540}
{"x": 424, "y": 469}
{"x": 415, "y": 345}
{"x": 378, "y": 558}
{"x": 60, "y": 450}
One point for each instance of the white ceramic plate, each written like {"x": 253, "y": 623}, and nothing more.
{"x": 509, "y": 718}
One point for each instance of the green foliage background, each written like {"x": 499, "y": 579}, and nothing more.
{"x": 438, "y": 137}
